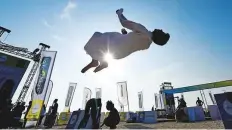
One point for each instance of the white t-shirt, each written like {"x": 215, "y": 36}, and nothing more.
{"x": 117, "y": 44}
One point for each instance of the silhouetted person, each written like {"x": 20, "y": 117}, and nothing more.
{"x": 25, "y": 117}
{"x": 180, "y": 113}
{"x": 113, "y": 118}
{"x": 91, "y": 106}
{"x": 54, "y": 107}
{"x": 152, "y": 109}
{"x": 52, "y": 116}
{"x": 17, "y": 113}
{"x": 120, "y": 44}
{"x": 182, "y": 103}
{"x": 199, "y": 102}
{"x": 5, "y": 103}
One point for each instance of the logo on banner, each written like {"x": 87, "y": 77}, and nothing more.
{"x": 69, "y": 96}
{"x": 224, "y": 103}
{"x": 227, "y": 107}
{"x": 35, "y": 108}
{"x": 73, "y": 119}
{"x": 121, "y": 91}
{"x": 43, "y": 74}
{"x": 86, "y": 98}
{"x": 156, "y": 101}
{"x": 140, "y": 101}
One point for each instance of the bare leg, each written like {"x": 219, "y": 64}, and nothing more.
{"x": 93, "y": 63}
{"x": 102, "y": 66}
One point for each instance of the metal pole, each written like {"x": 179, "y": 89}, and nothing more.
{"x": 127, "y": 98}
{"x": 205, "y": 100}
{"x": 202, "y": 98}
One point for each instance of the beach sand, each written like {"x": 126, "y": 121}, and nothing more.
{"x": 167, "y": 125}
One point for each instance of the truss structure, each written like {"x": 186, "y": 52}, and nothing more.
{"x": 23, "y": 52}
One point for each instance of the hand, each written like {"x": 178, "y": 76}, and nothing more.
{"x": 119, "y": 11}
{"x": 123, "y": 31}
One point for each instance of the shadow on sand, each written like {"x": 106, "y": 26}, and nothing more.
{"x": 136, "y": 126}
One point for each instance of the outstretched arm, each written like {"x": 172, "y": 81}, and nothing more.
{"x": 135, "y": 27}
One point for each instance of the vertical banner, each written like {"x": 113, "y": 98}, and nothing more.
{"x": 41, "y": 84}
{"x": 69, "y": 97}
{"x": 86, "y": 96}
{"x": 212, "y": 98}
{"x": 98, "y": 92}
{"x": 140, "y": 96}
{"x": 161, "y": 101}
{"x": 122, "y": 94}
{"x": 156, "y": 100}
{"x": 224, "y": 103}
{"x": 49, "y": 91}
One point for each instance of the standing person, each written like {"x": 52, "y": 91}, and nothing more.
{"x": 27, "y": 110}
{"x": 122, "y": 44}
{"x": 199, "y": 102}
{"x": 180, "y": 113}
{"x": 54, "y": 107}
{"x": 152, "y": 109}
{"x": 53, "y": 114}
{"x": 92, "y": 106}
{"x": 17, "y": 113}
{"x": 5, "y": 103}
{"x": 113, "y": 118}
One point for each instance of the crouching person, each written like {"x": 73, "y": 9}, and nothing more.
{"x": 113, "y": 118}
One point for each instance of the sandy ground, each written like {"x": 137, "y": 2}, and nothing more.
{"x": 168, "y": 125}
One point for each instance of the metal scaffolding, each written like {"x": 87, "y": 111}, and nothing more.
{"x": 23, "y": 52}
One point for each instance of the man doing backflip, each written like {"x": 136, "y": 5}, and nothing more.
{"x": 121, "y": 45}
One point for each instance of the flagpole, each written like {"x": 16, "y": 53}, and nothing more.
{"x": 127, "y": 98}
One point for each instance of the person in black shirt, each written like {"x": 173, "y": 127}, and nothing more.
{"x": 52, "y": 115}
{"x": 113, "y": 118}
{"x": 5, "y": 103}
{"x": 182, "y": 103}
{"x": 180, "y": 113}
{"x": 92, "y": 106}
{"x": 17, "y": 112}
{"x": 54, "y": 107}
{"x": 199, "y": 102}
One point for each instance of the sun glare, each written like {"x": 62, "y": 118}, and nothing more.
{"x": 115, "y": 68}
{"x": 108, "y": 57}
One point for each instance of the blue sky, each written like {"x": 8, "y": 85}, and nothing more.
{"x": 199, "y": 50}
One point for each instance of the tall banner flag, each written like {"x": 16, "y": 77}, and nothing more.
{"x": 49, "y": 91}
{"x": 156, "y": 100}
{"x": 159, "y": 102}
{"x": 41, "y": 84}
{"x": 140, "y": 96}
{"x": 98, "y": 92}
{"x": 69, "y": 97}
{"x": 86, "y": 96}
{"x": 224, "y": 103}
{"x": 123, "y": 94}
